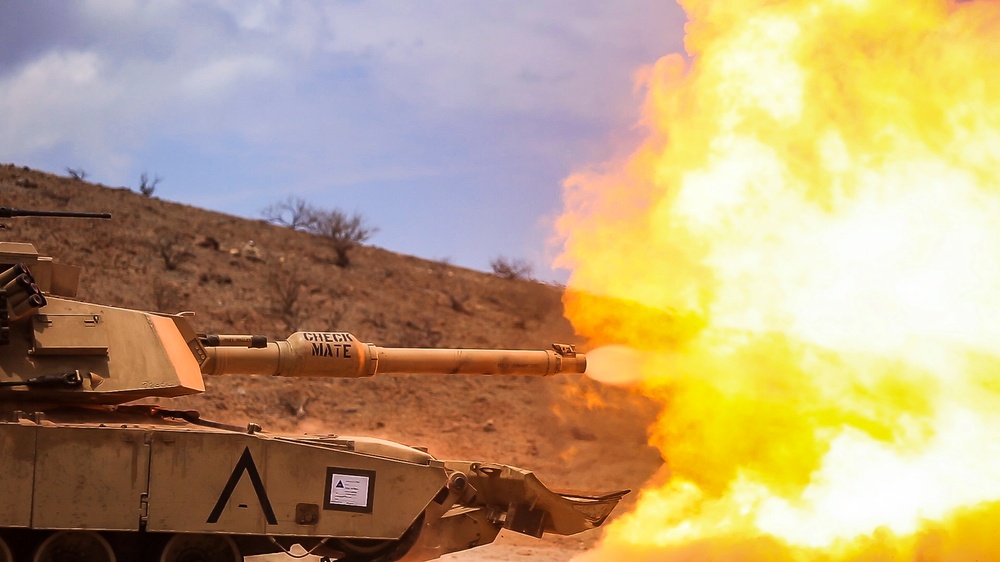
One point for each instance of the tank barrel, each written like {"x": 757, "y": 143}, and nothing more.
{"x": 471, "y": 361}
{"x": 340, "y": 355}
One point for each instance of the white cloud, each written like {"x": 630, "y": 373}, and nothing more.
{"x": 257, "y": 15}
{"x": 501, "y": 56}
{"x": 58, "y": 98}
{"x": 224, "y": 76}
{"x": 444, "y": 60}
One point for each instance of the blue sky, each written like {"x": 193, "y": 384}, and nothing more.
{"x": 449, "y": 125}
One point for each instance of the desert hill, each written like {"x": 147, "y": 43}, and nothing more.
{"x": 158, "y": 255}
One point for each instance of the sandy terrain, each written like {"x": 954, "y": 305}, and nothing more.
{"x": 508, "y": 547}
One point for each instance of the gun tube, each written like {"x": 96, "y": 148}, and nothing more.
{"x": 340, "y": 355}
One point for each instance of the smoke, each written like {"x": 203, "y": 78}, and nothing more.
{"x": 816, "y": 216}
{"x": 618, "y": 365}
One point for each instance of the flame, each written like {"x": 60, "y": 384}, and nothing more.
{"x": 804, "y": 256}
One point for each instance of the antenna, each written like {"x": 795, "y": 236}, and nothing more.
{"x": 10, "y": 212}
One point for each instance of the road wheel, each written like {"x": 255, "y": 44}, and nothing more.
{"x": 5, "y": 554}
{"x": 184, "y": 547}
{"x": 368, "y": 550}
{"x": 74, "y": 546}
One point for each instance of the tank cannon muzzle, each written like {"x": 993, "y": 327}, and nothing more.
{"x": 341, "y": 355}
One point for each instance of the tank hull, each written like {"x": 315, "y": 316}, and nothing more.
{"x": 138, "y": 479}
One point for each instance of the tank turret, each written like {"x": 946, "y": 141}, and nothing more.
{"x": 87, "y": 473}
{"x": 63, "y": 350}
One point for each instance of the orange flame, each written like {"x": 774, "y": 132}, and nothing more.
{"x": 804, "y": 256}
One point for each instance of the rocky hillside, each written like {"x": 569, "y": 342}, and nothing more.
{"x": 157, "y": 255}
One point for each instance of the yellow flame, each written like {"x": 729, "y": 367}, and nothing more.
{"x": 804, "y": 256}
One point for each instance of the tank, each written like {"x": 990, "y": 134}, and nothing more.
{"x": 89, "y": 473}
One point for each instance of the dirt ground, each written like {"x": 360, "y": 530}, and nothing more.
{"x": 507, "y": 548}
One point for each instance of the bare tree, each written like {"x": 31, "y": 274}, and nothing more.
{"x": 295, "y": 213}
{"x": 512, "y": 268}
{"x": 147, "y": 187}
{"x": 344, "y": 232}
{"x": 77, "y": 173}
{"x": 172, "y": 250}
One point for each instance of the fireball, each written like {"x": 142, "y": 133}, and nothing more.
{"x": 801, "y": 262}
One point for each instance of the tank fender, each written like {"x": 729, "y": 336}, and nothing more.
{"x": 517, "y": 500}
